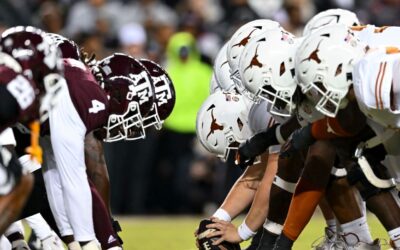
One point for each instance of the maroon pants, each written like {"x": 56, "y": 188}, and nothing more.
{"x": 102, "y": 222}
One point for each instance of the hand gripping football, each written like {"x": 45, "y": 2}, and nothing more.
{"x": 206, "y": 243}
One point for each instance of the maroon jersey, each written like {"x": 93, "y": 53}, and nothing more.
{"x": 17, "y": 98}
{"x": 89, "y": 99}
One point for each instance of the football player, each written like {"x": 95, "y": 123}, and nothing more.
{"x": 31, "y": 82}
{"x": 128, "y": 96}
{"x": 375, "y": 86}
{"x": 251, "y": 57}
{"x": 267, "y": 62}
{"x": 164, "y": 102}
{"x": 220, "y": 131}
{"x": 334, "y": 96}
{"x": 281, "y": 89}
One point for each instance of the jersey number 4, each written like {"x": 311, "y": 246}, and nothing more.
{"x": 96, "y": 107}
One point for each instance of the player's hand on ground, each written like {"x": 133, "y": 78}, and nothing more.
{"x": 226, "y": 231}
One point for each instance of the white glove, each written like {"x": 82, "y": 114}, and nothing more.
{"x": 92, "y": 245}
{"x": 52, "y": 242}
{"x": 20, "y": 245}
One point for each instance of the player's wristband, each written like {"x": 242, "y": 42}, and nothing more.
{"x": 245, "y": 232}
{"x": 222, "y": 215}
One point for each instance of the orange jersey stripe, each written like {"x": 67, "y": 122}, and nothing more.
{"x": 358, "y": 28}
{"x": 376, "y": 84}
{"x": 380, "y": 29}
{"x": 380, "y": 86}
{"x": 392, "y": 50}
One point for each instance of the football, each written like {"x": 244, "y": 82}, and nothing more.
{"x": 206, "y": 243}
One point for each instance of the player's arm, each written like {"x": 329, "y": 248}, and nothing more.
{"x": 277, "y": 134}
{"x": 256, "y": 215}
{"x": 16, "y": 187}
{"x": 97, "y": 167}
{"x": 349, "y": 122}
{"x": 242, "y": 192}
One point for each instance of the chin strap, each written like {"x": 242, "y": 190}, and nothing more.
{"x": 366, "y": 167}
{"x": 34, "y": 149}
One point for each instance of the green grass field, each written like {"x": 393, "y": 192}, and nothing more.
{"x": 176, "y": 233}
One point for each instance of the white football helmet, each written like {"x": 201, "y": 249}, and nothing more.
{"x": 237, "y": 43}
{"x": 331, "y": 16}
{"x": 324, "y": 63}
{"x": 222, "y": 123}
{"x": 214, "y": 86}
{"x": 267, "y": 69}
{"x": 222, "y": 70}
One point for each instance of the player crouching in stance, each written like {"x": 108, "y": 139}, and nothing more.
{"x": 127, "y": 97}
{"x": 223, "y": 123}
{"x": 327, "y": 65}
{"x": 31, "y": 80}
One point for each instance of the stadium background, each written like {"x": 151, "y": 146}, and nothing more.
{"x": 169, "y": 173}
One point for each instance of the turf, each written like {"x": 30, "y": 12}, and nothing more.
{"x": 176, "y": 233}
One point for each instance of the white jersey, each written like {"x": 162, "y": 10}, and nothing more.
{"x": 7, "y": 137}
{"x": 378, "y": 36}
{"x": 392, "y": 147}
{"x": 65, "y": 176}
{"x": 260, "y": 119}
{"x": 376, "y": 81}
{"x": 391, "y": 143}
{"x": 376, "y": 85}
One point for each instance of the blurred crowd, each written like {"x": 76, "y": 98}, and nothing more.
{"x": 169, "y": 172}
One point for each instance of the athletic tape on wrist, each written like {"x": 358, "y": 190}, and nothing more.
{"x": 222, "y": 215}
{"x": 245, "y": 232}
{"x": 285, "y": 185}
{"x": 273, "y": 227}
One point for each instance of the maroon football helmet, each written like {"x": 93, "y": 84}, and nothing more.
{"x": 68, "y": 48}
{"x": 164, "y": 95}
{"x": 128, "y": 83}
{"x": 39, "y": 60}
